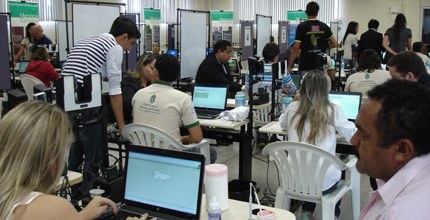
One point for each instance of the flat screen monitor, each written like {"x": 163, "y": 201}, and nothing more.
{"x": 173, "y": 53}
{"x": 349, "y": 102}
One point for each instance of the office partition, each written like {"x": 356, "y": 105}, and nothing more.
{"x": 264, "y": 30}
{"x": 246, "y": 39}
{"x": 5, "y": 58}
{"x": 62, "y": 38}
{"x": 283, "y": 39}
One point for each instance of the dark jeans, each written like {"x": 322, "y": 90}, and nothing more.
{"x": 310, "y": 206}
{"x": 87, "y": 147}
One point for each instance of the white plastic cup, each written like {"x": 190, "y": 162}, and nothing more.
{"x": 216, "y": 185}
{"x": 266, "y": 215}
{"x": 96, "y": 192}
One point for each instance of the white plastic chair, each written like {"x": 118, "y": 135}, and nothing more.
{"x": 28, "y": 82}
{"x": 302, "y": 168}
{"x": 146, "y": 135}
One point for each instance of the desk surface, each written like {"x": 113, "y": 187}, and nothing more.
{"x": 231, "y": 104}
{"x": 240, "y": 210}
{"x": 273, "y": 127}
{"x": 74, "y": 178}
{"x": 221, "y": 123}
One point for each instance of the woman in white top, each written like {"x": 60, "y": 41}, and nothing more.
{"x": 369, "y": 74}
{"x": 26, "y": 44}
{"x": 315, "y": 120}
{"x": 349, "y": 40}
{"x": 35, "y": 138}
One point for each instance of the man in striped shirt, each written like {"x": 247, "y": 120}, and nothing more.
{"x": 99, "y": 54}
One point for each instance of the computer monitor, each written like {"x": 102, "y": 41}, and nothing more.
{"x": 173, "y": 53}
{"x": 349, "y": 102}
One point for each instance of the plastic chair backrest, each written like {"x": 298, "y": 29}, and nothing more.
{"x": 302, "y": 168}
{"x": 146, "y": 135}
{"x": 28, "y": 82}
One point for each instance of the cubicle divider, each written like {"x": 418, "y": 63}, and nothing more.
{"x": 130, "y": 57}
{"x": 264, "y": 31}
{"x": 283, "y": 39}
{"x": 6, "y": 55}
{"x": 247, "y": 40}
{"x": 194, "y": 38}
{"x": 63, "y": 41}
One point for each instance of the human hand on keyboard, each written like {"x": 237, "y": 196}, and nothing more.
{"x": 97, "y": 207}
{"x": 143, "y": 217}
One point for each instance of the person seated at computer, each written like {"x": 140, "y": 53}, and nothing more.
{"x": 140, "y": 78}
{"x": 31, "y": 163}
{"x": 315, "y": 120}
{"x": 162, "y": 106}
{"x": 369, "y": 74}
{"x": 41, "y": 68}
{"x": 271, "y": 55}
{"x": 214, "y": 69}
{"x": 420, "y": 49}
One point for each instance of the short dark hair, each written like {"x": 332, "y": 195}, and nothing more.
{"x": 312, "y": 9}
{"x": 417, "y": 46}
{"x": 369, "y": 60}
{"x": 373, "y": 23}
{"x": 408, "y": 61}
{"x": 221, "y": 45}
{"x": 41, "y": 53}
{"x": 270, "y": 51}
{"x": 168, "y": 67}
{"x": 124, "y": 25}
{"x": 403, "y": 113}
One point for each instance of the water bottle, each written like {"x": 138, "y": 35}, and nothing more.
{"x": 285, "y": 102}
{"x": 214, "y": 212}
{"x": 239, "y": 99}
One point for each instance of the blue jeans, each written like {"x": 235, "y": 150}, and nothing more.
{"x": 87, "y": 147}
{"x": 310, "y": 206}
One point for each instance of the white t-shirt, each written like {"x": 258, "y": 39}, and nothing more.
{"x": 328, "y": 143}
{"x": 350, "y": 40}
{"x": 164, "y": 107}
{"x": 364, "y": 81}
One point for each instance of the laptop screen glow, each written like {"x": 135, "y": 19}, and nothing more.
{"x": 348, "y": 102}
{"x": 161, "y": 181}
{"x": 209, "y": 97}
{"x": 22, "y": 66}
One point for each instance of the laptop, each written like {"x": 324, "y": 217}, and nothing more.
{"x": 209, "y": 100}
{"x": 22, "y": 66}
{"x": 166, "y": 184}
{"x": 349, "y": 102}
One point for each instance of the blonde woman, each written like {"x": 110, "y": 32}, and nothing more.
{"x": 31, "y": 162}
{"x": 314, "y": 119}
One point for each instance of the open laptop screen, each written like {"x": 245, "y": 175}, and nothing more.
{"x": 211, "y": 97}
{"x": 349, "y": 102}
{"x": 163, "y": 181}
{"x": 22, "y": 66}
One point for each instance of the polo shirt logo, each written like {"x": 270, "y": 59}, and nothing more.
{"x": 152, "y": 99}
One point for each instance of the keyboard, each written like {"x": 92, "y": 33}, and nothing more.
{"x": 208, "y": 114}
{"x": 121, "y": 215}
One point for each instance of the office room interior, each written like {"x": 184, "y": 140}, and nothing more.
{"x": 264, "y": 172}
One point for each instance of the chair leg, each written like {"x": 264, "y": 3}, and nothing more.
{"x": 328, "y": 209}
{"x": 355, "y": 201}
{"x": 281, "y": 200}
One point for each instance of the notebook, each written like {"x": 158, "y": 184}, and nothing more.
{"x": 209, "y": 101}
{"x": 22, "y": 66}
{"x": 164, "y": 183}
{"x": 349, "y": 102}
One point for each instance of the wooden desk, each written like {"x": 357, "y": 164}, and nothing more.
{"x": 240, "y": 210}
{"x": 235, "y": 131}
{"x": 74, "y": 178}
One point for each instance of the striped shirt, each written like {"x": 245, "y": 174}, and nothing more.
{"x": 98, "y": 54}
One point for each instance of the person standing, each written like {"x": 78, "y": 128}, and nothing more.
{"x": 26, "y": 45}
{"x": 99, "y": 54}
{"x": 312, "y": 38}
{"x": 349, "y": 42}
{"x": 214, "y": 69}
{"x": 397, "y": 38}
{"x": 40, "y": 39}
{"x": 371, "y": 39}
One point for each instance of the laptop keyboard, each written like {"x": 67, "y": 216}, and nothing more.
{"x": 121, "y": 215}
{"x": 203, "y": 113}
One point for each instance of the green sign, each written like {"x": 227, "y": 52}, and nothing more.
{"x": 23, "y": 12}
{"x": 152, "y": 14}
{"x": 221, "y": 15}
{"x": 296, "y": 15}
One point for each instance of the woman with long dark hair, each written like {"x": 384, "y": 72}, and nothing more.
{"x": 350, "y": 39}
{"x": 397, "y": 38}
{"x": 26, "y": 44}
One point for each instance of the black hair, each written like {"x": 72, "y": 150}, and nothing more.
{"x": 312, "y": 9}
{"x": 124, "y": 25}
{"x": 270, "y": 51}
{"x": 369, "y": 61}
{"x": 399, "y": 25}
{"x": 221, "y": 45}
{"x": 408, "y": 61}
{"x": 403, "y": 114}
{"x": 373, "y": 23}
{"x": 351, "y": 29}
{"x": 418, "y": 46}
{"x": 168, "y": 67}
{"x": 27, "y": 30}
